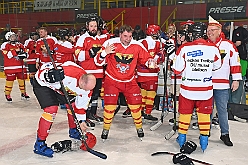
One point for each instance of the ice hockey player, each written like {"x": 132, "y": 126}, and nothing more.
{"x": 121, "y": 55}
{"x": 41, "y": 52}
{"x": 231, "y": 66}
{"x": 30, "y": 46}
{"x": 87, "y": 47}
{"x": 196, "y": 61}
{"x": 78, "y": 85}
{"x": 14, "y": 53}
{"x": 148, "y": 77}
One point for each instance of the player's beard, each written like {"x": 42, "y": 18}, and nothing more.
{"x": 92, "y": 33}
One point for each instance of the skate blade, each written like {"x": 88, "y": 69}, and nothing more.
{"x": 103, "y": 140}
{"x": 141, "y": 139}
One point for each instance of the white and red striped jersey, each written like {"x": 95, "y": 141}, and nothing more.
{"x": 64, "y": 52}
{"x": 231, "y": 65}
{"x": 143, "y": 72}
{"x": 72, "y": 72}
{"x": 30, "y": 46}
{"x": 196, "y": 61}
{"x": 121, "y": 65}
{"x": 12, "y": 63}
{"x": 83, "y": 45}
{"x": 41, "y": 51}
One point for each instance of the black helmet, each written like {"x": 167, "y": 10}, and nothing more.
{"x": 198, "y": 30}
{"x": 100, "y": 23}
{"x": 83, "y": 29}
{"x": 62, "y": 33}
{"x": 90, "y": 19}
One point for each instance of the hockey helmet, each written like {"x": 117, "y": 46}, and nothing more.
{"x": 8, "y": 35}
{"x": 153, "y": 30}
{"x": 83, "y": 29}
{"x": 90, "y": 140}
{"x": 185, "y": 33}
{"x": 100, "y": 23}
{"x": 198, "y": 30}
{"x": 92, "y": 18}
{"x": 63, "y": 33}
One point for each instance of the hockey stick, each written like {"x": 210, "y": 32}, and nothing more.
{"x": 24, "y": 83}
{"x": 165, "y": 94}
{"x": 170, "y": 153}
{"x": 83, "y": 138}
{"x": 174, "y": 128}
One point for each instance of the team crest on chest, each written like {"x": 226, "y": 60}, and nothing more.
{"x": 122, "y": 68}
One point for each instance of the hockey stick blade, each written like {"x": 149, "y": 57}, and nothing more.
{"x": 170, "y": 153}
{"x": 156, "y": 126}
{"x": 170, "y": 134}
{"x": 159, "y": 123}
{"x": 83, "y": 139}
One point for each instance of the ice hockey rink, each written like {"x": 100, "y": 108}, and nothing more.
{"x": 19, "y": 120}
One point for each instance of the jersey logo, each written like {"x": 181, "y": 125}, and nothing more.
{"x": 195, "y": 53}
{"x": 122, "y": 69}
{"x": 124, "y": 58}
{"x": 207, "y": 79}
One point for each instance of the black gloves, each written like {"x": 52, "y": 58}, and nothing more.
{"x": 182, "y": 159}
{"x": 188, "y": 147}
{"x": 64, "y": 146}
{"x": 21, "y": 54}
{"x": 55, "y": 75}
{"x": 93, "y": 51}
{"x": 170, "y": 48}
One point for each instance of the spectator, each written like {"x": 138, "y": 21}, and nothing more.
{"x": 138, "y": 33}
{"x": 226, "y": 29}
{"x": 240, "y": 38}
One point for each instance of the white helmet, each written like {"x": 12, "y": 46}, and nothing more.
{"x": 8, "y": 34}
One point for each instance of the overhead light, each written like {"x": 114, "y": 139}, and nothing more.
{"x": 75, "y": 9}
{"x": 180, "y": 2}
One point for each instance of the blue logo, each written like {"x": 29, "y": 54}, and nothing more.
{"x": 207, "y": 79}
{"x": 195, "y": 53}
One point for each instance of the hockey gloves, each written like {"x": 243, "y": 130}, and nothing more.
{"x": 54, "y": 75}
{"x": 93, "y": 51}
{"x": 21, "y": 54}
{"x": 188, "y": 147}
{"x": 62, "y": 146}
{"x": 182, "y": 159}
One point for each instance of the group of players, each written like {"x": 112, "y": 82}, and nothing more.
{"x": 96, "y": 60}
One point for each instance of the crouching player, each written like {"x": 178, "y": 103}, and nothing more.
{"x": 47, "y": 89}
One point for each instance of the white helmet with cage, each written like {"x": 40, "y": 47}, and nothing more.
{"x": 8, "y": 34}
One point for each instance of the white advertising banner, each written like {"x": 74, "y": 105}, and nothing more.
{"x": 56, "y": 4}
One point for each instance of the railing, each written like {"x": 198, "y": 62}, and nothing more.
{"x": 115, "y": 24}
{"x": 166, "y": 22}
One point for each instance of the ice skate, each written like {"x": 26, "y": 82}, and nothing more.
{"x": 96, "y": 118}
{"x": 181, "y": 139}
{"x": 140, "y": 133}
{"x": 90, "y": 124}
{"x": 8, "y": 98}
{"x": 74, "y": 133}
{"x": 104, "y": 135}
{"x": 150, "y": 117}
{"x": 25, "y": 96}
{"x": 40, "y": 147}
{"x": 203, "y": 142}
{"x": 195, "y": 125}
{"x": 127, "y": 113}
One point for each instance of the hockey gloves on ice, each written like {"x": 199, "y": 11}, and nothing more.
{"x": 93, "y": 51}
{"x": 90, "y": 140}
{"x": 62, "y": 146}
{"x": 182, "y": 159}
{"x": 188, "y": 147}
{"x": 54, "y": 75}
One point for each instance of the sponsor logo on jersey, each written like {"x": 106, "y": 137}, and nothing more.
{"x": 195, "y": 53}
{"x": 207, "y": 79}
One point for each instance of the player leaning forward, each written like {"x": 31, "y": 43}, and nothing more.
{"x": 47, "y": 89}
{"x": 196, "y": 61}
{"x": 121, "y": 55}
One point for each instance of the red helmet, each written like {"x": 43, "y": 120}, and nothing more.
{"x": 91, "y": 141}
{"x": 152, "y": 30}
